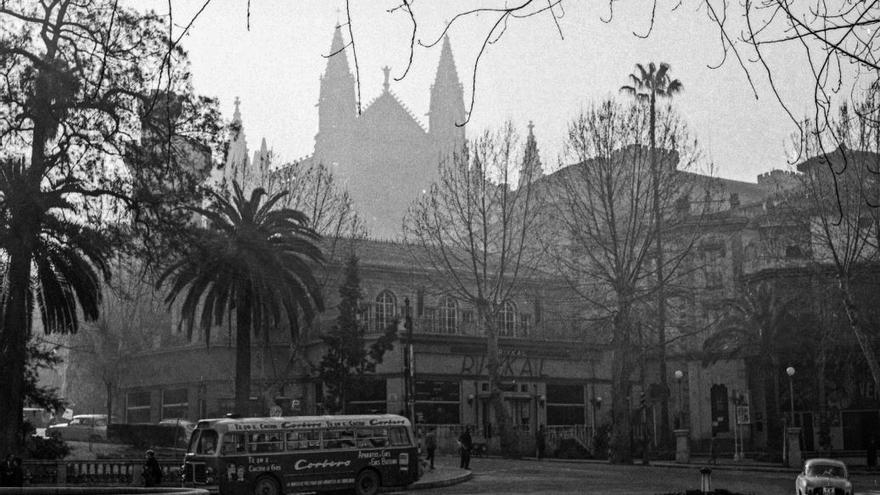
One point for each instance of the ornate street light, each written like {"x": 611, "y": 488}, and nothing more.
{"x": 678, "y": 376}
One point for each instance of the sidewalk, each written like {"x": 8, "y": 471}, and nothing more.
{"x": 721, "y": 464}
{"x": 439, "y": 477}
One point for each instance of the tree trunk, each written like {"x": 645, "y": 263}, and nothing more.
{"x": 665, "y": 437}
{"x": 243, "y": 355}
{"x": 506, "y": 434}
{"x": 774, "y": 412}
{"x": 855, "y": 323}
{"x": 108, "y": 385}
{"x": 13, "y": 351}
{"x": 621, "y": 368}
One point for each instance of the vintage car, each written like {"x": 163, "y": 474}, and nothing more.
{"x": 82, "y": 427}
{"x": 823, "y": 477}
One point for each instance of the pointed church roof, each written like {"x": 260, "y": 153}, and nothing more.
{"x": 531, "y": 169}
{"x": 447, "y": 75}
{"x": 337, "y": 61}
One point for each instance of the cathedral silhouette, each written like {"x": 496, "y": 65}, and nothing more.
{"x": 385, "y": 157}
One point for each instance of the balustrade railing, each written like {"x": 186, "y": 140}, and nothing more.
{"x": 96, "y": 472}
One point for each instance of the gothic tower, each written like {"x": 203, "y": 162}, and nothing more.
{"x": 447, "y": 104}
{"x": 531, "y": 169}
{"x": 337, "y": 107}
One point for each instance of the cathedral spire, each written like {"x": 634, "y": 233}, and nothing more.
{"x": 337, "y": 107}
{"x": 531, "y": 169}
{"x": 447, "y": 115}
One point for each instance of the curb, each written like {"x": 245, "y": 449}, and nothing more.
{"x": 441, "y": 483}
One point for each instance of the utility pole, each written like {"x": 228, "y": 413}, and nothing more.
{"x": 409, "y": 365}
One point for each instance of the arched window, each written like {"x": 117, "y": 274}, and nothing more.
{"x": 386, "y": 308}
{"x": 506, "y": 319}
{"x": 448, "y": 322}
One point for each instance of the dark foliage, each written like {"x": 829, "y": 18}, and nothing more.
{"x": 348, "y": 360}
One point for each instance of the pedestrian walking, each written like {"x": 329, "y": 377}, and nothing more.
{"x": 152, "y": 471}
{"x": 540, "y": 442}
{"x": 871, "y": 452}
{"x": 713, "y": 456}
{"x": 465, "y": 444}
{"x": 431, "y": 445}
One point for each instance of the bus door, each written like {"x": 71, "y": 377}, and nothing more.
{"x": 232, "y": 469}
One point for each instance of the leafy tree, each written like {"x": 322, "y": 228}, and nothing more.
{"x": 78, "y": 80}
{"x": 255, "y": 260}
{"x": 647, "y": 86}
{"x": 348, "y": 359}
{"x": 475, "y": 233}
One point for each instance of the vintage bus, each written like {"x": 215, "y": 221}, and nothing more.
{"x": 270, "y": 456}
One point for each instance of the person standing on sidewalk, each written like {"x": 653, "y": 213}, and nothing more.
{"x": 152, "y": 470}
{"x": 465, "y": 444}
{"x": 431, "y": 445}
{"x": 540, "y": 442}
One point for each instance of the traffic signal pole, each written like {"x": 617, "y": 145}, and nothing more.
{"x": 409, "y": 366}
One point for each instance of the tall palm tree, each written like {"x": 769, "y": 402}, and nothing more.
{"x": 756, "y": 327}
{"x": 254, "y": 259}
{"x": 647, "y": 86}
{"x": 50, "y": 263}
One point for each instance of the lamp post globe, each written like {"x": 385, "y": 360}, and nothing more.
{"x": 789, "y": 371}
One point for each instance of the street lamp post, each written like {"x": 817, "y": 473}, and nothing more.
{"x": 678, "y": 376}
{"x": 790, "y": 372}
{"x": 596, "y": 402}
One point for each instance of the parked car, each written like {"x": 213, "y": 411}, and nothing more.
{"x": 82, "y": 428}
{"x": 823, "y": 477}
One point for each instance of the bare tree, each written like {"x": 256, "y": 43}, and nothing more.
{"x": 474, "y": 232}
{"x": 839, "y": 191}
{"x": 603, "y": 213}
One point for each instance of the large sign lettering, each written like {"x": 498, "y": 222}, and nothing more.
{"x": 326, "y": 463}
{"x": 509, "y": 365}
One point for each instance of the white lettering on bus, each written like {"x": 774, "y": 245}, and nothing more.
{"x": 305, "y": 464}
{"x": 385, "y": 422}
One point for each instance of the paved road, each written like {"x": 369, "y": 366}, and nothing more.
{"x": 550, "y": 477}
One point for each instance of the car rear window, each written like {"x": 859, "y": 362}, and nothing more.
{"x": 826, "y": 470}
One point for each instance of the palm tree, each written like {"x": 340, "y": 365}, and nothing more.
{"x": 49, "y": 261}
{"x": 647, "y": 86}
{"x": 254, "y": 259}
{"x": 756, "y": 327}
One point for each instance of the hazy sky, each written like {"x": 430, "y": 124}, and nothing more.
{"x": 530, "y": 74}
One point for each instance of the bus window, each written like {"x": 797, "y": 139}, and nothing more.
{"x": 372, "y": 437}
{"x": 207, "y": 443}
{"x": 233, "y": 443}
{"x": 265, "y": 442}
{"x": 304, "y": 440}
{"x": 399, "y": 436}
{"x": 338, "y": 439}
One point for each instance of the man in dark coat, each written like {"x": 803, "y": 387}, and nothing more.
{"x": 152, "y": 471}
{"x": 431, "y": 445}
{"x": 540, "y": 442}
{"x": 465, "y": 444}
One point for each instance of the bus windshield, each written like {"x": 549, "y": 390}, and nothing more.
{"x": 203, "y": 442}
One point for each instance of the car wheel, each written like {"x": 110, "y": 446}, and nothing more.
{"x": 267, "y": 485}
{"x": 367, "y": 483}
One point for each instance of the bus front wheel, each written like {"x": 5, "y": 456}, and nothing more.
{"x": 267, "y": 485}
{"x": 367, "y": 483}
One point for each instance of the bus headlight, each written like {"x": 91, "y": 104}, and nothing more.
{"x": 209, "y": 471}
{"x": 403, "y": 461}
